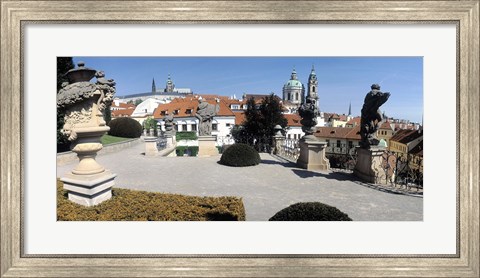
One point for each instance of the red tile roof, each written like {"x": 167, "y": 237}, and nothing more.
{"x": 386, "y": 125}
{"x": 354, "y": 121}
{"x": 123, "y": 112}
{"x": 338, "y": 132}
{"x": 239, "y": 118}
{"x": 335, "y": 116}
{"x": 354, "y": 134}
{"x": 189, "y": 103}
{"x": 122, "y": 105}
{"x": 293, "y": 119}
{"x": 406, "y": 136}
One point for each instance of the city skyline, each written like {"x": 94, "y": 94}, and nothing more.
{"x": 341, "y": 80}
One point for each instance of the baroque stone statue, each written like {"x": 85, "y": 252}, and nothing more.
{"x": 84, "y": 102}
{"x": 308, "y": 111}
{"x": 169, "y": 125}
{"x": 205, "y": 114}
{"x": 371, "y": 117}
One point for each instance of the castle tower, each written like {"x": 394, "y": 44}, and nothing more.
{"x": 170, "y": 86}
{"x": 154, "y": 88}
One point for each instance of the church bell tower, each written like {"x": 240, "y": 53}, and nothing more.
{"x": 313, "y": 85}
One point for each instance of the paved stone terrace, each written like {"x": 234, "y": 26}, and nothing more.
{"x": 265, "y": 189}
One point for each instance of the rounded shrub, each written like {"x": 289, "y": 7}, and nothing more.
{"x": 312, "y": 211}
{"x": 125, "y": 127}
{"x": 240, "y": 155}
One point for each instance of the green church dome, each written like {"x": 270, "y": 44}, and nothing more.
{"x": 293, "y": 83}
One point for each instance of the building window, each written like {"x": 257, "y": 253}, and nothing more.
{"x": 175, "y": 112}
{"x": 184, "y": 127}
{"x": 163, "y": 113}
{"x": 228, "y": 125}
{"x": 350, "y": 144}
{"x": 328, "y": 143}
{"x": 338, "y": 144}
{"x": 189, "y": 111}
{"x": 194, "y": 127}
{"x": 176, "y": 127}
{"x": 214, "y": 127}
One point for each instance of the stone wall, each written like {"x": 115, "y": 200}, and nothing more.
{"x": 69, "y": 157}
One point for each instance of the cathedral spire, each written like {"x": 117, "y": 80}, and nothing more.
{"x": 154, "y": 88}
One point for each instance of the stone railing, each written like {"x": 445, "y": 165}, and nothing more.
{"x": 161, "y": 143}
{"x": 288, "y": 149}
{"x": 224, "y": 140}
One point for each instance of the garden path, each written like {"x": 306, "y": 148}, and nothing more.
{"x": 265, "y": 188}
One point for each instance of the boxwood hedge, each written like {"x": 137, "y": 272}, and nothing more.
{"x": 311, "y": 211}
{"x": 240, "y": 155}
{"x": 131, "y": 205}
{"x": 125, "y": 127}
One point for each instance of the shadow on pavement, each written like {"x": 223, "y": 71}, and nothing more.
{"x": 328, "y": 175}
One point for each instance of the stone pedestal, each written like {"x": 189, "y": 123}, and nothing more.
{"x": 171, "y": 141}
{"x": 89, "y": 183}
{"x": 89, "y": 190}
{"x": 278, "y": 142}
{"x": 369, "y": 165}
{"x": 312, "y": 154}
{"x": 206, "y": 146}
{"x": 150, "y": 146}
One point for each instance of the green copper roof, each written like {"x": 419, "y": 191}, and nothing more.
{"x": 382, "y": 143}
{"x": 293, "y": 83}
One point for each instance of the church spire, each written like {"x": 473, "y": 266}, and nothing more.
{"x": 154, "y": 88}
{"x": 350, "y": 109}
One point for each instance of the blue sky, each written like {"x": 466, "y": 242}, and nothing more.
{"x": 341, "y": 80}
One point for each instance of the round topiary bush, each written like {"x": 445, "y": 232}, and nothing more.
{"x": 125, "y": 127}
{"x": 313, "y": 211}
{"x": 240, "y": 155}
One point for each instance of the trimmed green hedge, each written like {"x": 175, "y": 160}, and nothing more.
{"x": 312, "y": 211}
{"x": 186, "y": 135}
{"x": 132, "y": 205}
{"x": 125, "y": 127}
{"x": 181, "y": 150}
{"x": 240, "y": 155}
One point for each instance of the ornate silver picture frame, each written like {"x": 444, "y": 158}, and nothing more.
{"x": 14, "y": 16}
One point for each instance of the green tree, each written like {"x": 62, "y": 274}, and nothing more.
{"x": 150, "y": 123}
{"x": 258, "y": 128}
{"x": 138, "y": 101}
{"x": 271, "y": 115}
{"x": 64, "y": 64}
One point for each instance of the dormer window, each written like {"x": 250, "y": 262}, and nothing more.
{"x": 163, "y": 113}
{"x": 175, "y": 112}
{"x": 189, "y": 111}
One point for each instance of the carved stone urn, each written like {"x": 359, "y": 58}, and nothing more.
{"x": 89, "y": 183}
